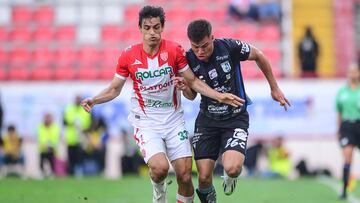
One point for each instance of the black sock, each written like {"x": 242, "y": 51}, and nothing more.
{"x": 206, "y": 194}
{"x": 346, "y": 174}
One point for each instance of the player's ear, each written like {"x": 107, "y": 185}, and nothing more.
{"x": 212, "y": 37}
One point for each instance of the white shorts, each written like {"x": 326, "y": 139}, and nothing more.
{"x": 173, "y": 142}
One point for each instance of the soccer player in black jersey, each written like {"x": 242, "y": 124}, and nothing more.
{"x": 221, "y": 128}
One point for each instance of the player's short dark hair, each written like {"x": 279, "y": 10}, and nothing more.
{"x": 198, "y": 29}
{"x": 152, "y": 12}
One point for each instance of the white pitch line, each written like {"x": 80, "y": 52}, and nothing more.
{"x": 331, "y": 183}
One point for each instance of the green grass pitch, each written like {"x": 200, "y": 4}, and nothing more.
{"x": 131, "y": 189}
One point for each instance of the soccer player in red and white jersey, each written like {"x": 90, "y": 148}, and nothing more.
{"x": 156, "y": 112}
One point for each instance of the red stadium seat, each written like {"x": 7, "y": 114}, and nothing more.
{"x": 131, "y": 33}
{"x": 18, "y": 73}
{"x": 3, "y": 57}
{"x": 110, "y": 56}
{"x": 273, "y": 54}
{"x": 111, "y": 33}
{"x": 66, "y": 56}
{"x": 65, "y": 34}
{"x": 3, "y": 34}
{"x": 87, "y": 73}
{"x": 269, "y": 33}
{"x": 64, "y": 73}
{"x": 223, "y": 32}
{"x": 131, "y": 15}
{"x": 22, "y": 15}
{"x": 178, "y": 15}
{"x": 3, "y": 73}
{"x": 107, "y": 72}
{"x": 203, "y": 12}
{"x": 20, "y": 56}
{"x": 43, "y": 35}
{"x": 249, "y": 70}
{"x": 42, "y": 73}
{"x": 20, "y": 35}
{"x": 89, "y": 55}
{"x": 246, "y": 32}
{"x": 42, "y": 56}
{"x": 44, "y": 15}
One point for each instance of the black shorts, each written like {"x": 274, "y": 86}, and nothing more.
{"x": 350, "y": 133}
{"x": 209, "y": 143}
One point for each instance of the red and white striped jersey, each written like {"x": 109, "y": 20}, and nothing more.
{"x": 155, "y": 102}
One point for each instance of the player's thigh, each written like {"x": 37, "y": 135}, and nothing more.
{"x": 206, "y": 143}
{"x": 234, "y": 139}
{"x": 177, "y": 143}
{"x": 150, "y": 143}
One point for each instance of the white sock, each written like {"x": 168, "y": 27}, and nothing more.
{"x": 182, "y": 199}
{"x": 158, "y": 186}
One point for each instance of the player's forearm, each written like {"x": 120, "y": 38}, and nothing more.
{"x": 204, "y": 89}
{"x": 106, "y": 95}
{"x": 265, "y": 68}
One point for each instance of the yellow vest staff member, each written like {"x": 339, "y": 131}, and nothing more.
{"x": 48, "y": 139}
{"x": 76, "y": 121}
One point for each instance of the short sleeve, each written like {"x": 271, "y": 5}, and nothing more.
{"x": 239, "y": 48}
{"x": 122, "y": 70}
{"x": 181, "y": 61}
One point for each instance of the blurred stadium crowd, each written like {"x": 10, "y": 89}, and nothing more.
{"x": 54, "y": 41}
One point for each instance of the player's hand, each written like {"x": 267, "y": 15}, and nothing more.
{"x": 278, "y": 96}
{"x": 87, "y": 104}
{"x": 231, "y": 99}
{"x": 180, "y": 83}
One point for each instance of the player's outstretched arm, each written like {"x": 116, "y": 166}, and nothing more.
{"x": 264, "y": 65}
{"x": 109, "y": 93}
{"x": 182, "y": 85}
{"x": 204, "y": 89}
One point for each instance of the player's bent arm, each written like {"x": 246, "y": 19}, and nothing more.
{"x": 264, "y": 65}
{"x": 202, "y": 88}
{"x": 109, "y": 93}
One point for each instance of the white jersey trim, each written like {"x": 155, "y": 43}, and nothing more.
{"x": 184, "y": 69}
{"x": 120, "y": 76}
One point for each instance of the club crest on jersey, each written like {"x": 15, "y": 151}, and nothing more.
{"x": 226, "y": 66}
{"x": 212, "y": 74}
{"x": 164, "y": 55}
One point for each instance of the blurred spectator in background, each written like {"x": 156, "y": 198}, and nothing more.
{"x": 308, "y": 54}
{"x": 48, "y": 139}
{"x": 243, "y": 9}
{"x": 13, "y": 158}
{"x": 269, "y": 10}
{"x": 132, "y": 160}
{"x": 278, "y": 159}
{"x": 348, "y": 108}
{"x": 77, "y": 121}
{"x": 252, "y": 154}
{"x": 94, "y": 161}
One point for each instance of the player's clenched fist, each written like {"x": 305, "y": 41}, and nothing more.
{"x": 87, "y": 104}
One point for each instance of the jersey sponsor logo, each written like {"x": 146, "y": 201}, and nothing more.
{"x": 220, "y": 58}
{"x": 245, "y": 48}
{"x": 141, "y": 75}
{"x": 156, "y": 87}
{"x": 226, "y": 67}
{"x": 217, "y": 109}
{"x": 196, "y": 68}
{"x": 212, "y": 74}
{"x": 223, "y": 89}
{"x": 228, "y": 76}
{"x": 239, "y": 139}
{"x": 136, "y": 62}
{"x": 164, "y": 55}
{"x": 158, "y": 104}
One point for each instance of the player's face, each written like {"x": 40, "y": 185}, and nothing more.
{"x": 354, "y": 73}
{"x": 204, "y": 48}
{"x": 151, "y": 30}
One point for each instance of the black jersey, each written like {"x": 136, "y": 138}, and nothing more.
{"x": 222, "y": 73}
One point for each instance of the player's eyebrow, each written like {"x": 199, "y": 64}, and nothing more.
{"x": 202, "y": 45}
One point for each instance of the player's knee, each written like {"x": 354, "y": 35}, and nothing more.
{"x": 233, "y": 170}
{"x": 204, "y": 179}
{"x": 159, "y": 171}
{"x": 184, "y": 178}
